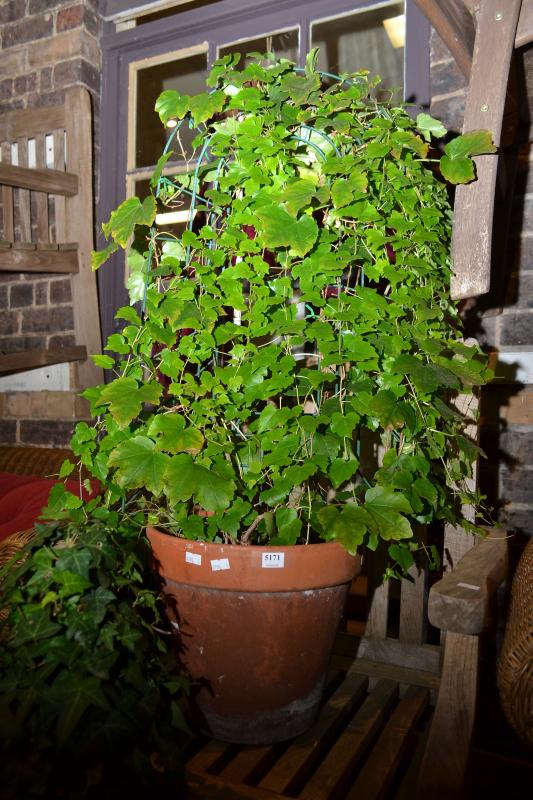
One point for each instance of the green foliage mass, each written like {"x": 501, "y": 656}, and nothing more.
{"x": 89, "y": 687}
{"x": 292, "y": 373}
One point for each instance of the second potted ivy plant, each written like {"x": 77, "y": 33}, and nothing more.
{"x": 299, "y": 323}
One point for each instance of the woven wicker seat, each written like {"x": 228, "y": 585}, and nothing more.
{"x": 515, "y": 668}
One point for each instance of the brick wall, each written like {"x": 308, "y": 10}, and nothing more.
{"x": 503, "y": 320}
{"x": 47, "y": 46}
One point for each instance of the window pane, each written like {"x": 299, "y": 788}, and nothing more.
{"x": 186, "y": 75}
{"x": 173, "y": 215}
{"x": 360, "y": 41}
{"x": 283, "y": 45}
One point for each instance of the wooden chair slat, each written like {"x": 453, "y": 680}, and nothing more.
{"x": 24, "y": 207}
{"x": 38, "y": 180}
{"x": 41, "y": 198}
{"x": 294, "y": 767}
{"x": 249, "y": 764}
{"x": 346, "y": 753}
{"x": 39, "y": 259}
{"x": 380, "y": 768}
{"x": 7, "y": 198}
{"x": 59, "y": 200}
{"x": 31, "y": 359}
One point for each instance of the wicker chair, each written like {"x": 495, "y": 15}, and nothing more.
{"x": 515, "y": 668}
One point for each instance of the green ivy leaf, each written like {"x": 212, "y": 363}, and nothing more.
{"x": 428, "y": 127}
{"x": 341, "y": 471}
{"x": 171, "y": 105}
{"x": 297, "y": 194}
{"x": 106, "y": 362}
{"x": 386, "y": 508}
{"x": 206, "y": 105}
{"x": 279, "y": 229}
{"x": 138, "y": 464}
{"x": 456, "y": 164}
{"x": 125, "y": 398}
{"x": 73, "y": 694}
{"x": 185, "y": 479}
{"x": 99, "y": 257}
{"x": 123, "y": 221}
{"x": 173, "y": 436}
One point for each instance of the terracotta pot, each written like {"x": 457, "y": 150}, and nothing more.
{"x": 257, "y": 626}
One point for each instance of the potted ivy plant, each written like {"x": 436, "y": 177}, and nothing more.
{"x": 281, "y": 395}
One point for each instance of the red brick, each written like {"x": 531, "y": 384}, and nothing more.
{"x": 46, "y": 432}
{"x": 28, "y": 30}
{"x": 61, "y": 341}
{"x": 9, "y": 323}
{"x": 38, "y": 6}
{"x": 48, "y": 320}
{"x": 21, "y": 294}
{"x": 13, "y": 10}
{"x": 450, "y": 111}
{"x": 8, "y": 431}
{"x": 17, "y": 344}
{"x": 40, "y": 100}
{"x": 67, "y": 73}
{"x": 60, "y": 291}
{"x": 69, "y": 18}
{"x": 446, "y": 78}
{"x": 41, "y": 293}
{"x": 46, "y": 79}
{"x": 6, "y": 89}
{"x": 26, "y": 83}
{"x": 517, "y": 485}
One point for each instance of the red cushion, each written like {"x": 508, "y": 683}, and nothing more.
{"x": 23, "y": 497}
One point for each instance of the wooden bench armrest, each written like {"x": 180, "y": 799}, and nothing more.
{"x": 460, "y": 601}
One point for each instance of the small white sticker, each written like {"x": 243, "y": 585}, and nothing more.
{"x": 273, "y": 560}
{"x": 218, "y": 564}
{"x": 469, "y": 586}
{"x": 193, "y": 558}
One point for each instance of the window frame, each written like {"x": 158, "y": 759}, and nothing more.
{"x": 223, "y": 22}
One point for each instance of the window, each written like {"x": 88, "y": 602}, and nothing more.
{"x": 175, "y": 45}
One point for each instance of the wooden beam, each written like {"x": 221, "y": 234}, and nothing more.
{"x": 31, "y": 359}
{"x": 17, "y": 259}
{"x": 474, "y": 202}
{"x": 79, "y": 228}
{"x": 455, "y": 26}
{"x": 51, "y": 181}
{"x": 524, "y": 30}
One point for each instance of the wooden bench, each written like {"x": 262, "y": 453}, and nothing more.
{"x": 47, "y": 220}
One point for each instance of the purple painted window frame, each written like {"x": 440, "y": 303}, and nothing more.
{"x": 226, "y": 20}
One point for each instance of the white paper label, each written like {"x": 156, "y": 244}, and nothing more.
{"x": 469, "y": 586}
{"x": 193, "y": 558}
{"x": 273, "y": 560}
{"x": 218, "y": 564}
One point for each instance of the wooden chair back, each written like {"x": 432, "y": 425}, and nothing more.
{"x": 47, "y": 217}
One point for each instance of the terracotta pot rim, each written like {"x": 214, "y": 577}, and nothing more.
{"x": 255, "y": 568}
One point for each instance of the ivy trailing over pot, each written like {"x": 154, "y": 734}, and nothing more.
{"x": 90, "y": 688}
{"x": 301, "y": 322}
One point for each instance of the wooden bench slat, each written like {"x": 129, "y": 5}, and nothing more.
{"x": 380, "y": 767}
{"x": 40, "y": 180}
{"x": 348, "y": 750}
{"x": 296, "y": 764}
{"x": 212, "y": 787}
{"x": 32, "y": 359}
{"x": 208, "y": 757}
{"x": 23, "y": 194}
{"x": 18, "y": 259}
